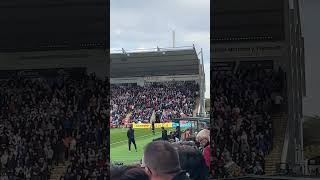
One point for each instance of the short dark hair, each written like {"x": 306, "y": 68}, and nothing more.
{"x": 117, "y": 171}
{"x": 162, "y": 157}
{"x": 134, "y": 174}
{"x": 192, "y": 161}
{"x": 128, "y": 173}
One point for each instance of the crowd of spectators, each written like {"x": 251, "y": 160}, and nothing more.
{"x": 46, "y": 122}
{"x": 174, "y": 155}
{"x": 242, "y": 130}
{"x": 163, "y": 100}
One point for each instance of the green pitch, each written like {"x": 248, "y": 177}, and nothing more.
{"x": 119, "y": 144}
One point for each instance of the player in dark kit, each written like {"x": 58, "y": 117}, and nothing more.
{"x": 152, "y": 126}
{"x": 130, "y": 135}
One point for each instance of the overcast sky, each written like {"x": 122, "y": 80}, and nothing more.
{"x": 147, "y": 24}
{"x": 310, "y": 15}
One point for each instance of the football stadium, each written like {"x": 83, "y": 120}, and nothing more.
{"x": 258, "y": 84}
{"x": 161, "y": 87}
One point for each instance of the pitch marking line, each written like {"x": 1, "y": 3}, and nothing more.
{"x": 137, "y": 138}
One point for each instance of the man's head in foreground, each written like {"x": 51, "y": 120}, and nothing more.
{"x": 161, "y": 161}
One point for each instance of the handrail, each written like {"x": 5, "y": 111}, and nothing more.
{"x": 285, "y": 146}
{"x": 141, "y": 50}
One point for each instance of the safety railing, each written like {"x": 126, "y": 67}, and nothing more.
{"x": 157, "y": 49}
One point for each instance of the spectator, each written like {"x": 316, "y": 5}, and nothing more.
{"x": 164, "y": 134}
{"x": 161, "y": 162}
{"x": 177, "y": 134}
{"x": 257, "y": 169}
{"x": 203, "y": 137}
{"x": 128, "y": 173}
{"x": 232, "y": 169}
{"x": 4, "y": 159}
{"x": 192, "y": 161}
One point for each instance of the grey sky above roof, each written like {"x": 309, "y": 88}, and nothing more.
{"x": 310, "y": 28}
{"x": 147, "y": 24}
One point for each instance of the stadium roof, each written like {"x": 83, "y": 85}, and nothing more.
{"x": 247, "y": 20}
{"x": 41, "y": 25}
{"x": 154, "y": 62}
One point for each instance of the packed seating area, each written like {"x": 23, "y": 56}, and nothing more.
{"x": 165, "y": 100}
{"x": 242, "y": 125}
{"x": 46, "y": 122}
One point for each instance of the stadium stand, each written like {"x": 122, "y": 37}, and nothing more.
{"x": 257, "y": 109}
{"x": 242, "y": 124}
{"x": 42, "y": 131}
{"x": 167, "y": 100}
{"x": 48, "y": 124}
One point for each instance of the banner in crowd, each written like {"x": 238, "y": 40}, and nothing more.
{"x": 148, "y": 125}
{"x": 223, "y": 66}
{"x": 165, "y": 125}
{"x": 182, "y": 125}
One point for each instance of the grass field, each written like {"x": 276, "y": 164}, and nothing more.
{"x": 119, "y": 144}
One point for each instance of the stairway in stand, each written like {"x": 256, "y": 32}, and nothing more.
{"x": 59, "y": 171}
{"x": 196, "y": 107}
{"x": 273, "y": 159}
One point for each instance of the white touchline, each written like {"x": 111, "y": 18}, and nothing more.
{"x": 126, "y": 140}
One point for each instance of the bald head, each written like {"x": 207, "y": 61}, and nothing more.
{"x": 162, "y": 157}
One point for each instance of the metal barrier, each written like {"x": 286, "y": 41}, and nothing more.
{"x": 157, "y": 49}
{"x": 286, "y": 169}
{"x": 272, "y": 177}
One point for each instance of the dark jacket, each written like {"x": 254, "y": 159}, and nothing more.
{"x": 181, "y": 176}
{"x": 130, "y": 134}
{"x": 164, "y": 135}
{"x": 152, "y": 125}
